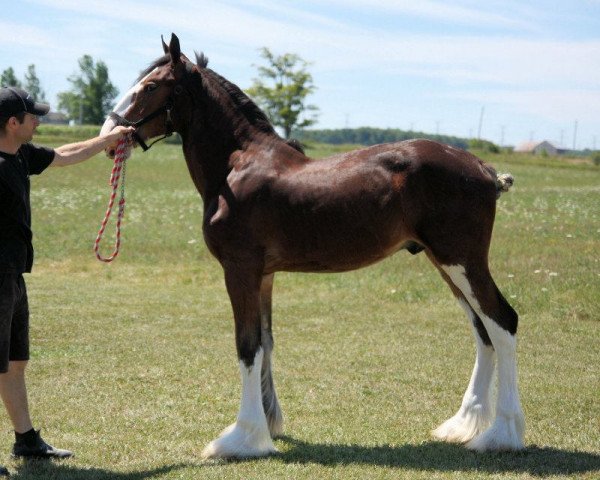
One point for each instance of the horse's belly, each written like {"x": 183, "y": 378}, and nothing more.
{"x": 330, "y": 255}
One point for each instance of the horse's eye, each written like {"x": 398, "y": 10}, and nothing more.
{"x": 150, "y": 87}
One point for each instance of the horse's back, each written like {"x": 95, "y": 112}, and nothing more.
{"x": 412, "y": 168}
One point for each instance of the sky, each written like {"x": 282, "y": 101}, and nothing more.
{"x": 526, "y": 70}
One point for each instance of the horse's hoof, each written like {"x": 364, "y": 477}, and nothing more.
{"x": 464, "y": 426}
{"x": 238, "y": 441}
{"x": 506, "y": 433}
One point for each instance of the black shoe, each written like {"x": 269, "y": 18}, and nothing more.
{"x": 31, "y": 445}
{"x": 4, "y": 472}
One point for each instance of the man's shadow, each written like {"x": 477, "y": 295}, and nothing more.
{"x": 30, "y": 469}
{"x": 442, "y": 457}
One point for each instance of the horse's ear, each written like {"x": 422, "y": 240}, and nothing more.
{"x": 164, "y": 45}
{"x": 174, "y": 49}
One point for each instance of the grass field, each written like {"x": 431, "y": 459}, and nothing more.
{"x": 133, "y": 364}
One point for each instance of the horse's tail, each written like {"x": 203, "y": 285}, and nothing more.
{"x": 503, "y": 183}
{"x": 503, "y": 180}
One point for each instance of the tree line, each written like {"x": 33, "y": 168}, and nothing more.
{"x": 373, "y": 136}
{"x": 280, "y": 90}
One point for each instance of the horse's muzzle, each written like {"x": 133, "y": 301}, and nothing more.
{"x": 114, "y": 121}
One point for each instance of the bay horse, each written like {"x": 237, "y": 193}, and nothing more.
{"x": 270, "y": 208}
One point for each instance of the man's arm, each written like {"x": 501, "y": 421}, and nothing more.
{"x": 78, "y": 152}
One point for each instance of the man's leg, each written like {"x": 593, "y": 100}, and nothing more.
{"x": 14, "y": 395}
{"x": 13, "y": 391}
{"x": 8, "y": 299}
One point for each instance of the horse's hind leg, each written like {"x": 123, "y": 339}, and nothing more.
{"x": 475, "y": 412}
{"x": 269, "y": 397}
{"x": 500, "y": 322}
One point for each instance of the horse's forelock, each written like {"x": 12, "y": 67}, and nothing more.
{"x": 201, "y": 62}
{"x": 157, "y": 63}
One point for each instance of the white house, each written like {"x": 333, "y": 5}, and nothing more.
{"x": 539, "y": 148}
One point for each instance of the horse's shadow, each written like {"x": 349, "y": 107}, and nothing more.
{"x": 38, "y": 469}
{"x": 439, "y": 456}
{"x": 429, "y": 456}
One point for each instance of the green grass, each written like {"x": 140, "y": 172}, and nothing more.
{"x": 133, "y": 363}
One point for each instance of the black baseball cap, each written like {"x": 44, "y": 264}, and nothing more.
{"x": 15, "y": 100}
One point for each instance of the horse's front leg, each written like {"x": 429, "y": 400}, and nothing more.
{"x": 249, "y": 436}
{"x": 269, "y": 397}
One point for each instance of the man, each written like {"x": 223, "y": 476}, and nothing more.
{"x": 19, "y": 159}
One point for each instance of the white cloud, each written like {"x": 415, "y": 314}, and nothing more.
{"x": 458, "y": 58}
{"x": 446, "y": 12}
{"x": 553, "y": 104}
{"x": 23, "y": 35}
{"x": 460, "y": 50}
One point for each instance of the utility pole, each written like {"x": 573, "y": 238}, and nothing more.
{"x": 480, "y": 123}
{"x": 575, "y": 136}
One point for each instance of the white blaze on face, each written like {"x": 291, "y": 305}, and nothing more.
{"x": 123, "y": 104}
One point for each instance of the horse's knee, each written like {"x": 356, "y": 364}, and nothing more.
{"x": 482, "y": 294}
{"x": 247, "y": 346}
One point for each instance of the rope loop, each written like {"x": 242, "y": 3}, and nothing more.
{"x": 117, "y": 173}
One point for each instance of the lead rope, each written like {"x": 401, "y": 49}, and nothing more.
{"x": 118, "y": 172}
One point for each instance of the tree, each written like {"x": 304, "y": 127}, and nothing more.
{"x": 282, "y": 89}
{"x": 32, "y": 85}
{"x": 8, "y": 78}
{"x": 91, "y": 96}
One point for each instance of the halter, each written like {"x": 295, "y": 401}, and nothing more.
{"x": 166, "y": 108}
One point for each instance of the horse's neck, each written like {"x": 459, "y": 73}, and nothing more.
{"x": 211, "y": 158}
{"x": 207, "y": 167}
{"x": 208, "y": 156}
{"x": 228, "y": 125}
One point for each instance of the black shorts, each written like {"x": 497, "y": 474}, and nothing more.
{"x": 14, "y": 320}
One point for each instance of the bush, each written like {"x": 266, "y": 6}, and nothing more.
{"x": 485, "y": 145}
{"x": 596, "y": 158}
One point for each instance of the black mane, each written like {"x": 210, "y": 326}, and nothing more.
{"x": 201, "y": 60}
{"x": 244, "y": 104}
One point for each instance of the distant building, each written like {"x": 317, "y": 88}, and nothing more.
{"x": 538, "y": 148}
{"x": 57, "y": 118}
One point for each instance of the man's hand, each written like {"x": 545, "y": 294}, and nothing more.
{"x": 116, "y": 134}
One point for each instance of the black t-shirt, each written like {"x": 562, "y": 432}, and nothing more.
{"x": 16, "y": 249}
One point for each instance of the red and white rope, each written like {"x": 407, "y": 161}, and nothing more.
{"x": 118, "y": 172}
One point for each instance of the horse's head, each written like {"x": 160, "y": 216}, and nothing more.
{"x": 160, "y": 102}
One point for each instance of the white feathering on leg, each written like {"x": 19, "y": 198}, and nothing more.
{"x": 249, "y": 435}
{"x": 506, "y": 432}
{"x": 475, "y": 413}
